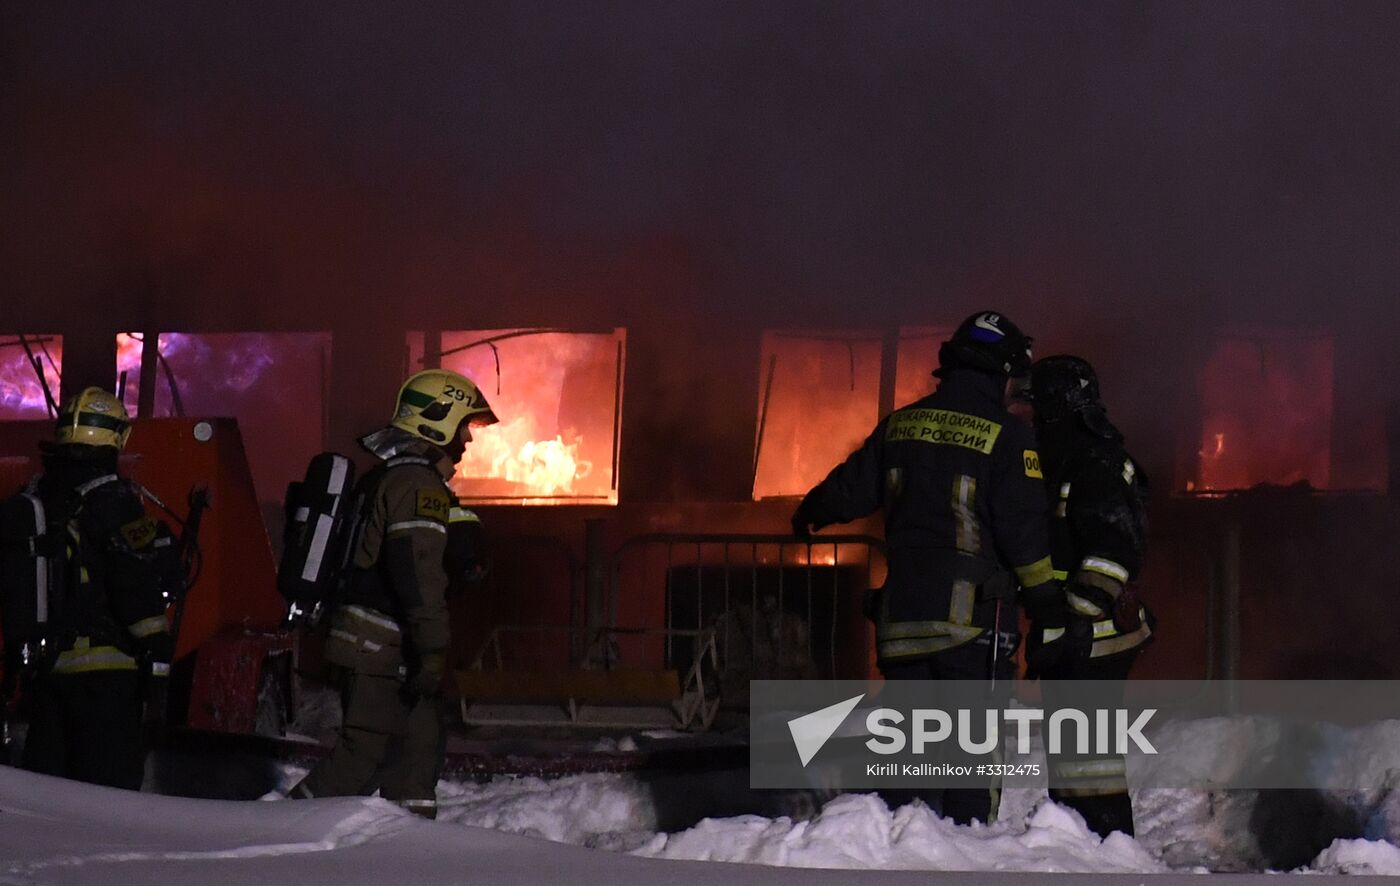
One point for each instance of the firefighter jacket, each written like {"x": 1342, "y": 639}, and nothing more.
{"x": 1098, "y": 531}
{"x": 965, "y": 515}
{"x": 394, "y": 613}
{"x": 107, "y": 604}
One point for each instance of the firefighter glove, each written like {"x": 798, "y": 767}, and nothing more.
{"x": 1045, "y": 603}
{"x": 801, "y": 529}
{"x": 1057, "y": 641}
{"x": 803, "y": 524}
{"x": 426, "y": 680}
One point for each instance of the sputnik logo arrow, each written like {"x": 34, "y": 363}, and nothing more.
{"x": 811, "y": 731}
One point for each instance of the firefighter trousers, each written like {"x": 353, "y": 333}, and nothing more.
{"x": 87, "y": 727}
{"x": 1094, "y": 785}
{"x": 389, "y": 741}
{"x": 970, "y": 661}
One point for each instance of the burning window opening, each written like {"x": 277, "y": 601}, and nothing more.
{"x": 917, "y": 359}
{"x": 1266, "y": 414}
{"x": 558, "y": 394}
{"x": 273, "y": 383}
{"x": 819, "y": 396}
{"x": 23, "y": 358}
{"x": 130, "y": 347}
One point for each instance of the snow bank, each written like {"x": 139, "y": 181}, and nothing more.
{"x": 1343, "y": 829}
{"x": 1359, "y": 857}
{"x": 858, "y": 831}
{"x": 598, "y": 809}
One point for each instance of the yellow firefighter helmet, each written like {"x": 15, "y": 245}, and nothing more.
{"x": 434, "y": 402}
{"x": 93, "y": 417}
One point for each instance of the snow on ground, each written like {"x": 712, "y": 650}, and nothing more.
{"x": 612, "y": 819}
{"x": 858, "y": 831}
{"x": 1340, "y": 830}
{"x": 1359, "y": 857}
{"x": 57, "y": 832}
{"x": 601, "y": 810}
{"x": 1181, "y": 831}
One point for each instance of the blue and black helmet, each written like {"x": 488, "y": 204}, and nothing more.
{"x": 988, "y": 342}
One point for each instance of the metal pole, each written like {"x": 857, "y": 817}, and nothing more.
{"x": 753, "y": 611}
{"x": 594, "y": 578}
{"x": 728, "y": 613}
{"x": 1230, "y": 599}
{"x": 38, "y": 368}
{"x": 150, "y": 368}
{"x": 777, "y": 626}
{"x": 432, "y": 349}
{"x": 763, "y": 413}
{"x": 617, "y": 418}
{"x": 670, "y": 603}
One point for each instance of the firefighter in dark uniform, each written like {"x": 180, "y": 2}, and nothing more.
{"x": 1098, "y": 534}
{"x": 101, "y": 652}
{"x": 389, "y": 636}
{"x": 965, "y": 523}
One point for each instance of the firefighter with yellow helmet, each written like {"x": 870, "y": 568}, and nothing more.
{"x": 86, "y": 580}
{"x": 389, "y": 635}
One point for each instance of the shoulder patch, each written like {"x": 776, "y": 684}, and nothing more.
{"x": 1031, "y": 458}
{"x": 1129, "y": 471}
{"x": 433, "y": 504}
{"x": 139, "y": 532}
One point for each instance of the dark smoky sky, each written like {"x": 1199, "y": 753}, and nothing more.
{"x": 1118, "y": 176}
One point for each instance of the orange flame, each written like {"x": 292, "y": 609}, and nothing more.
{"x": 556, "y": 396}
{"x": 510, "y": 452}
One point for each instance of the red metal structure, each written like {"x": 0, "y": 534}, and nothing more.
{"x": 231, "y": 650}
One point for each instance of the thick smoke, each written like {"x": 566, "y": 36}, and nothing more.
{"x": 1123, "y": 179}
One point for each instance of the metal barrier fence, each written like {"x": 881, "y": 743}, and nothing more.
{"x": 779, "y": 607}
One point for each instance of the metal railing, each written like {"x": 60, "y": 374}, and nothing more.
{"x": 791, "y": 607}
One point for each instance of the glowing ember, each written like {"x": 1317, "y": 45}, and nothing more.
{"x": 818, "y": 557}
{"x": 798, "y": 554}
{"x": 21, "y": 395}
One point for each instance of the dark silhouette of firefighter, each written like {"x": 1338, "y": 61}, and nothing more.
{"x": 1098, "y": 496}
{"x": 965, "y": 524}
{"x": 86, "y": 579}
{"x": 389, "y": 634}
